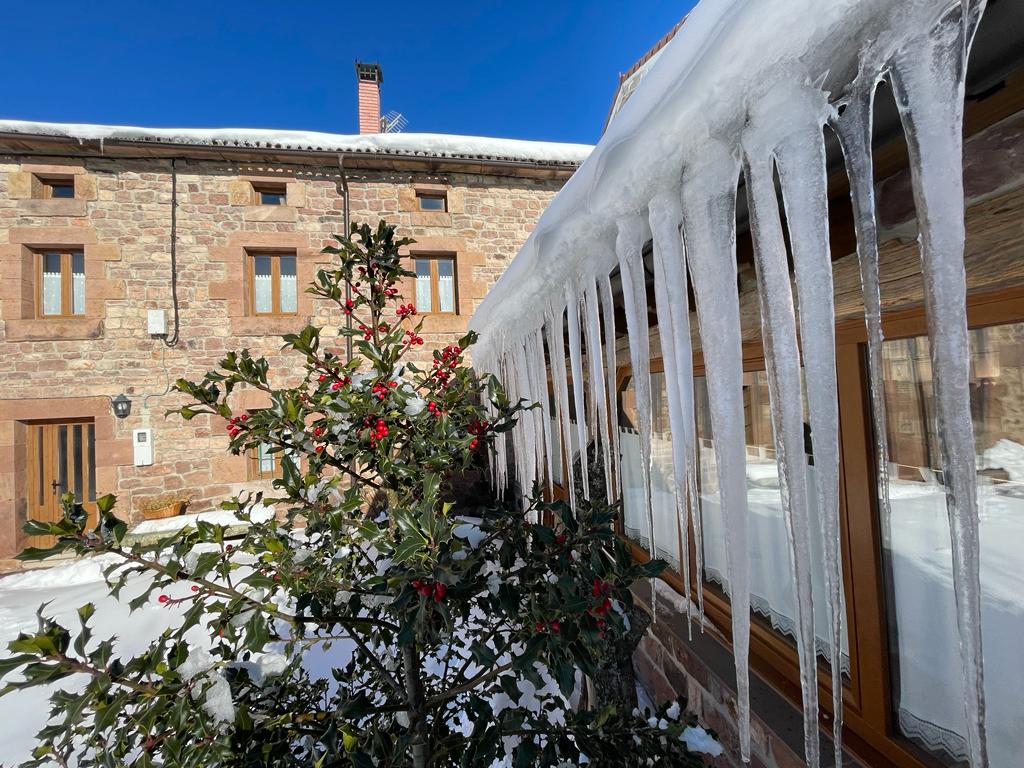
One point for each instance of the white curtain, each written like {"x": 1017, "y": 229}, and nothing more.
{"x": 78, "y": 284}
{"x": 423, "y": 299}
{"x": 663, "y": 505}
{"x": 446, "y": 285}
{"x": 266, "y": 459}
{"x": 289, "y": 289}
{"x": 927, "y": 687}
{"x": 771, "y": 586}
{"x": 263, "y": 288}
{"x": 51, "y": 284}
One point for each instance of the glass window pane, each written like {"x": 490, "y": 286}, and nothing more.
{"x": 90, "y": 447}
{"x": 272, "y": 198}
{"x": 925, "y": 654}
{"x": 265, "y": 460}
{"x": 771, "y": 588}
{"x": 289, "y": 295}
{"x": 76, "y": 462}
{"x": 431, "y": 202}
{"x": 62, "y": 458}
{"x": 423, "y": 301}
{"x": 446, "y": 284}
{"x": 262, "y": 284}
{"x": 62, "y": 189}
{"x": 78, "y": 283}
{"x": 51, "y": 284}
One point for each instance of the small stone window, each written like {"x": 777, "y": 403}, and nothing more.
{"x": 60, "y": 280}
{"x": 435, "y": 285}
{"x": 432, "y": 201}
{"x": 55, "y": 187}
{"x": 264, "y": 463}
{"x": 273, "y": 288}
{"x": 270, "y": 194}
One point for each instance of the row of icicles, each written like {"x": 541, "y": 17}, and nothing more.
{"x": 692, "y": 230}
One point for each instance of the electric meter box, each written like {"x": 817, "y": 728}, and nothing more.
{"x": 156, "y": 322}
{"x": 142, "y": 441}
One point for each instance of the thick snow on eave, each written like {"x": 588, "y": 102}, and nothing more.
{"x": 698, "y": 91}
{"x": 410, "y": 144}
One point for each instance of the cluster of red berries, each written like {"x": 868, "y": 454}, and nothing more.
{"x": 601, "y": 590}
{"x": 389, "y": 292}
{"x": 235, "y": 424}
{"x": 449, "y": 359}
{"x": 349, "y": 304}
{"x": 412, "y": 339}
{"x": 435, "y": 589}
{"x": 553, "y": 626}
{"x": 377, "y": 432}
{"x": 434, "y": 408}
{"x": 380, "y": 389}
{"x": 406, "y": 310}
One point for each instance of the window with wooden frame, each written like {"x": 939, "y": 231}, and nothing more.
{"x": 269, "y": 193}
{"x": 264, "y": 464}
{"x": 273, "y": 288}
{"x": 436, "y": 290}
{"x": 60, "y": 283}
{"x": 54, "y": 187}
{"x": 431, "y": 201}
{"x": 902, "y": 705}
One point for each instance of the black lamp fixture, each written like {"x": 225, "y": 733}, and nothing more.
{"x": 122, "y": 406}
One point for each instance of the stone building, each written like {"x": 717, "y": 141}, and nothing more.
{"x": 132, "y": 257}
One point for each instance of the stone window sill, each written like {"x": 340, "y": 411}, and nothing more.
{"x": 69, "y": 329}
{"x": 269, "y": 213}
{"x": 52, "y": 207}
{"x": 268, "y": 326}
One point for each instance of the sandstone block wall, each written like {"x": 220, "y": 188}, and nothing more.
{"x": 122, "y": 221}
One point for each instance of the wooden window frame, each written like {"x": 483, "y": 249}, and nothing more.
{"x": 259, "y": 188}
{"x": 275, "y": 282}
{"x": 66, "y": 282}
{"x": 424, "y": 194}
{"x": 254, "y": 473}
{"x": 46, "y": 182}
{"x": 435, "y": 293}
{"x": 869, "y": 729}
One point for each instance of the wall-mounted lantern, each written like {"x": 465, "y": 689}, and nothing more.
{"x": 122, "y": 406}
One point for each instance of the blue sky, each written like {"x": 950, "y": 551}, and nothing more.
{"x": 530, "y": 69}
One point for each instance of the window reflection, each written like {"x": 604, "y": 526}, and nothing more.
{"x": 925, "y": 655}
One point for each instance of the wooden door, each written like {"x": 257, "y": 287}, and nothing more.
{"x": 61, "y": 458}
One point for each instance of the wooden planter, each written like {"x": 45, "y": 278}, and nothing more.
{"x": 171, "y": 509}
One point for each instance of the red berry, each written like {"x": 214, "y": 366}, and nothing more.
{"x": 163, "y": 598}
{"x": 439, "y": 592}
{"x": 555, "y": 626}
{"x": 539, "y": 626}
{"x": 195, "y": 588}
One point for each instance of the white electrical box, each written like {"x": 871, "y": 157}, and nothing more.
{"x": 142, "y": 441}
{"x": 156, "y": 322}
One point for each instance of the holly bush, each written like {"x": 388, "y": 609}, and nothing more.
{"x": 369, "y": 621}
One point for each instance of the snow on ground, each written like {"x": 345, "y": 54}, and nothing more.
{"x": 169, "y": 525}
{"x": 418, "y": 144}
{"x": 67, "y": 587}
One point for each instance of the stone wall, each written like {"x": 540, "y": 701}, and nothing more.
{"x": 121, "y": 219}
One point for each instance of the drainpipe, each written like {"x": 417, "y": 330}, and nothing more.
{"x": 347, "y": 232}
{"x": 173, "y": 339}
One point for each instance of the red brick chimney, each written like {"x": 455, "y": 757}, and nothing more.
{"x": 370, "y": 78}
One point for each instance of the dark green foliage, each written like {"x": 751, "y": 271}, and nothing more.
{"x": 359, "y": 627}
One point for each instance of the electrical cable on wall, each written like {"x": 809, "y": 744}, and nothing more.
{"x": 172, "y": 340}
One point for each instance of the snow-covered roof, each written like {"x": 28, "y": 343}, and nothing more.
{"x": 427, "y": 145}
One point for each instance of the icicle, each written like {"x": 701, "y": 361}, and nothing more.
{"x": 572, "y": 304}
{"x": 709, "y": 231}
{"x": 526, "y": 460}
{"x": 928, "y": 81}
{"x": 629, "y": 250}
{"x": 782, "y": 357}
{"x": 535, "y": 357}
{"x": 611, "y": 369}
{"x": 598, "y": 384}
{"x": 801, "y": 163}
{"x": 556, "y": 344}
{"x": 664, "y": 217}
